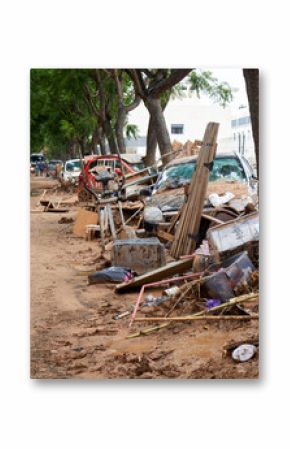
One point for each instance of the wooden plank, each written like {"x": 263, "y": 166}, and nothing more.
{"x": 84, "y": 217}
{"x": 174, "y": 219}
{"x": 111, "y": 222}
{"x": 165, "y": 235}
{"x": 213, "y": 219}
{"x": 197, "y": 318}
{"x": 188, "y": 226}
{"x": 60, "y": 211}
{"x": 159, "y": 274}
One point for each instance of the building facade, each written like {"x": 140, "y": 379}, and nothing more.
{"x": 186, "y": 119}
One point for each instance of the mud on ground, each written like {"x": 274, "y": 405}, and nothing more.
{"x": 74, "y": 335}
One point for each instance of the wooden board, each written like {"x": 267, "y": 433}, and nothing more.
{"x": 165, "y": 235}
{"x": 159, "y": 274}
{"x": 84, "y": 217}
{"x": 186, "y": 234}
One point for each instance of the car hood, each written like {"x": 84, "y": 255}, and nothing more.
{"x": 169, "y": 200}
{"x": 172, "y": 199}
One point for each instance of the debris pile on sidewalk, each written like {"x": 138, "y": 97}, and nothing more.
{"x": 196, "y": 264}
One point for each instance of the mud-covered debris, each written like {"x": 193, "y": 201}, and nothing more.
{"x": 65, "y": 220}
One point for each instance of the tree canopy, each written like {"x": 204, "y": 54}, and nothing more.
{"x": 87, "y": 109}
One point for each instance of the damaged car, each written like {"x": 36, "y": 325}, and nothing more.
{"x": 169, "y": 192}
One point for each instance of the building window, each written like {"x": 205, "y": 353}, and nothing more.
{"x": 241, "y": 121}
{"x": 177, "y": 129}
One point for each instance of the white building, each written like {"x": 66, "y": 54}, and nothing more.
{"x": 186, "y": 119}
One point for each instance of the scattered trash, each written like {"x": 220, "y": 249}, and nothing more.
{"x": 172, "y": 291}
{"x": 111, "y": 274}
{"x": 217, "y": 200}
{"x": 151, "y": 300}
{"x": 210, "y": 303}
{"x": 244, "y": 353}
{"x": 227, "y": 277}
{"x": 119, "y": 316}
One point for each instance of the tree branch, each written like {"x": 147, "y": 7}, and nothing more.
{"x": 175, "y": 77}
{"x": 138, "y": 82}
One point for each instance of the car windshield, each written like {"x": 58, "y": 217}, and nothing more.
{"x": 36, "y": 158}
{"x": 73, "y": 166}
{"x": 138, "y": 166}
{"x": 177, "y": 175}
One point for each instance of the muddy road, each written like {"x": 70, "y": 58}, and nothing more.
{"x": 74, "y": 334}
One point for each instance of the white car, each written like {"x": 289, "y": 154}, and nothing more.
{"x": 71, "y": 170}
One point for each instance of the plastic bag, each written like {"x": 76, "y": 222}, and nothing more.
{"x": 111, "y": 274}
{"x": 217, "y": 200}
{"x": 243, "y": 353}
{"x": 153, "y": 215}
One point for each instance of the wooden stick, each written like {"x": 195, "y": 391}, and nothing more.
{"x": 174, "y": 220}
{"x": 183, "y": 294}
{"x": 213, "y": 219}
{"x": 121, "y": 213}
{"x": 202, "y": 317}
{"x": 111, "y": 222}
{"x": 232, "y": 301}
{"x": 129, "y": 219}
{"x": 148, "y": 330}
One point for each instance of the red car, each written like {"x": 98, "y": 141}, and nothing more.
{"x": 129, "y": 164}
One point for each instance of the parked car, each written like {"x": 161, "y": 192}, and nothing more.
{"x": 71, "y": 170}
{"x": 36, "y": 158}
{"x": 168, "y": 193}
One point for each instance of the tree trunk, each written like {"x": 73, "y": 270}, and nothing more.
{"x": 109, "y": 133}
{"x": 82, "y": 147}
{"x": 122, "y": 114}
{"x": 95, "y": 139}
{"x": 151, "y": 144}
{"x": 252, "y": 85}
{"x": 156, "y": 114}
{"x": 101, "y": 141}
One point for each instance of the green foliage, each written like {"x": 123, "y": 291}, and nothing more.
{"x": 60, "y": 115}
{"x": 131, "y": 131}
{"x": 66, "y": 106}
{"x": 203, "y": 82}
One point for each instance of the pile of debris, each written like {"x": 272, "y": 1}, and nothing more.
{"x": 188, "y": 149}
{"x": 215, "y": 280}
{"x": 203, "y": 262}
